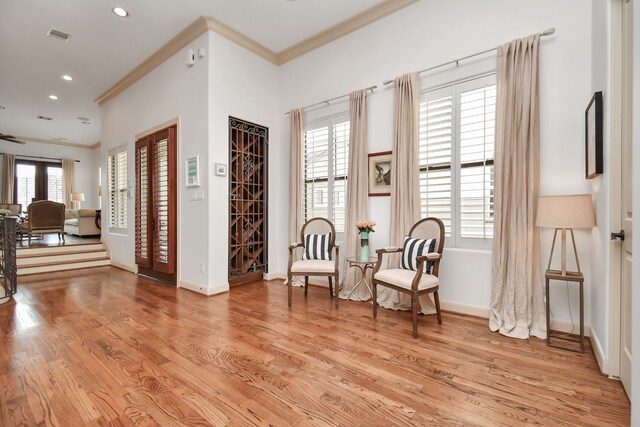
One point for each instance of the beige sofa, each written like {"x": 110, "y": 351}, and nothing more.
{"x": 81, "y": 222}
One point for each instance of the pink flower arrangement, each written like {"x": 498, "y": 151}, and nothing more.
{"x": 365, "y": 226}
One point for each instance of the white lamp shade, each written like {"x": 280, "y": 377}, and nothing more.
{"x": 77, "y": 197}
{"x": 573, "y": 211}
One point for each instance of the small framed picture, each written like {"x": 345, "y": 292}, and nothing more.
{"x": 593, "y": 136}
{"x": 380, "y": 173}
{"x": 221, "y": 169}
{"x": 192, "y": 171}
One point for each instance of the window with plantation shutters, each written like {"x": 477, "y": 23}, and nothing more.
{"x": 457, "y": 127}
{"x": 326, "y": 162}
{"x": 117, "y": 184}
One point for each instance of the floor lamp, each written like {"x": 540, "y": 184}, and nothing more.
{"x": 565, "y": 213}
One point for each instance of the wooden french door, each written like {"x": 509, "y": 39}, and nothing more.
{"x": 156, "y": 205}
{"x": 248, "y": 156}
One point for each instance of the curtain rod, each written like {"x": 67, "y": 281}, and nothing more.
{"x": 39, "y": 157}
{"x": 330, "y": 100}
{"x": 547, "y": 32}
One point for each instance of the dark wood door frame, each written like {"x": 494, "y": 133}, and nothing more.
{"x": 149, "y": 262}
{"x": 41, "y": 187}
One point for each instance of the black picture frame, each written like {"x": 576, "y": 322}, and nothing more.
{"x": 593, "y": 137}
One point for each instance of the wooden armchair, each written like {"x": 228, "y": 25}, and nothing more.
{"x": 414, "y": 282}
{"x": 320, "y": 250}
{"x": 45, "y": 216}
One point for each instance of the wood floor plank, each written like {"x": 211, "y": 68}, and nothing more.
{"x": 105, "y": 347}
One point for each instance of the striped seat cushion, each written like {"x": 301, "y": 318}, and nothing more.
{"x": 414, "y": 248}
{"x": 316, "y": 246}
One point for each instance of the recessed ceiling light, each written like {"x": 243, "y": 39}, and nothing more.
{"x": 53, "y": 97}
{"x": 120, "y": 12}
{"x": 85, "y": 119}
{"x": 66, "y": 77}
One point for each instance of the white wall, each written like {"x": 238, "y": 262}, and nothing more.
{"x": 171, "y": 90}
{"x": 244, "y": 86}
{"x": 433, "y": 32}
{"x": 86, "y": 174}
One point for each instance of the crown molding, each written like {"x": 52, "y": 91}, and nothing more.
{"x": 237, "y": 37}
{"x": 203, "y": 24}
{"x": 343, "y": 28}
{"x": 184, "y": 37}
{"x": 54, "y": 142}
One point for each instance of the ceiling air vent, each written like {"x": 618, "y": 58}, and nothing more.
{"x": 44, "y": 118}
{"x": 58, "y": 35}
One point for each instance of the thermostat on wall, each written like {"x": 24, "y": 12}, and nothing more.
{"x": 221, "y": 169}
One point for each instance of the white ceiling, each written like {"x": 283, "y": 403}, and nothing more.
{"x": 103, "y": 48}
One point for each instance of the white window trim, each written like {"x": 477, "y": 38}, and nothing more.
{"x": 118, "y": 230}
{"x": 328, "y": 121}
{"x": 455, "y": 240}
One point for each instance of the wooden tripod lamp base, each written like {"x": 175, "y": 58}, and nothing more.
{"x": 564, "y": 250}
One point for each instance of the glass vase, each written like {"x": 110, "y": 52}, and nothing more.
{"x": 364, "y": 246}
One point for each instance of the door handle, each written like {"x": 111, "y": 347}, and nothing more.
{"x": 619, "y": 235}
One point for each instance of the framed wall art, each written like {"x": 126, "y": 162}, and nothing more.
{"x": 380, "y": 173}
{"x": 593, "y": 136}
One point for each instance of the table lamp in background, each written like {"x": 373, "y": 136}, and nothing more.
{"x": 565, "y": 213}
{"x": 77, "y": 199}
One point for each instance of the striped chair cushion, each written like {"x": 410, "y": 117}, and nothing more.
{"x": 316, "y": 246}
{"x": 414, "y": 248}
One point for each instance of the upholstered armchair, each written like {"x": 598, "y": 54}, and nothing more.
{"x": 419, "y": 266}
{"x": 45, "y": 216}
{"x": 318, "y": 242}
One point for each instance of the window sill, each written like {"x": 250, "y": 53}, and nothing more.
{"x": 468, "y": 250}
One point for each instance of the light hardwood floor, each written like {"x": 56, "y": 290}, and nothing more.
{"x": 102, "y": 346}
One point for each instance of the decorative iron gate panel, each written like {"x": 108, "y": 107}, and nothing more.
{"x": 8, "y": 265}
{"x": 248, "y": 156}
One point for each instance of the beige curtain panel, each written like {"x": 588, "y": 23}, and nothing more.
{"x": 405, "y": 183}
{"x": 8, "y": 177}
{"x": 296, "y": 215}
{"x": 357, "y": 204}
{"x": 69, "y": 176}
{"x": 517, "y": 305}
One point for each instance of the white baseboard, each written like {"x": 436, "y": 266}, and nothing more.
{"x": 470, "y": 310}
{"x": 603, "y": 362}
{"x": 130, "y": 268}
{"x": 564, "y": 326}
{"x": 313, "y": 280}
{"x": 275, "y": 276}
{"x": 204, "y": 290}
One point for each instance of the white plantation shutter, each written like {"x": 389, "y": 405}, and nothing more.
{"x": 316, "y": 172}
{"x": 436, "y": 139}
{"x": 457, "y": 125}
{"x": 26, "y": 184}
{"x": 117, "y": 184}
{"x": 326, "y": 158}
{"x": 340, "y": 166}
{"x": 477, "y": 126}
{"x": 54, "y": 183}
